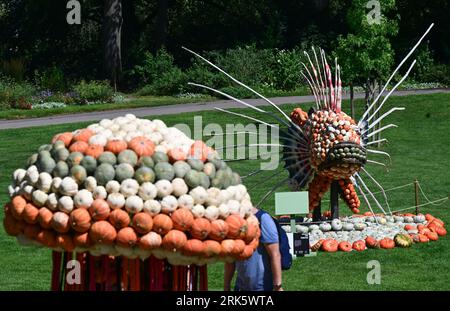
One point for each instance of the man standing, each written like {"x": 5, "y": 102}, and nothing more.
{"x": 262, "y": 271}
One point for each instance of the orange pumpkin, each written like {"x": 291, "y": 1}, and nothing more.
{"x": 193, "y": 247}
{"x": 31, "y": 231}
{"x": 119, "y": 218}
{"x": 182, "y": 219}
{"x": 11, "y": 225}
{"x": 247, "y": 253}
{"x": 409, "y": 227}
{"x": 142, "y": 146}
{"x": 387, "y": 243}
{"x": 99, "y": 209}
{"x": 94, "y": 151}
{"x": 176, "y": 154}
{"x": 438, "y": 221}
{"x": 116, "y": 146}
{"x": 142, "y": 223}
{"x": 424, "y": 231}
{"x": 429, "y": 217}
{"x": 212, "y": 248}
{"x": 30, "y": 214}
{"x": 237, "y": 227}
{"x": 60, "y": 222}
{"x": 80, "y": 220}
{"x": 252, "y": 232}
{"x": 239, "y": 246}
{"x": 79, "y": 146}
{"x": 66, "y": 138}
{"x": 65, "y": 241}
{"x": 126, "y": 237}
{"x": 254, "y": 244}
{"x": 371, "y": 242}
{"x": 441, "y": 231}
{"x": 82, "y": 239}
{"x": 47, "y": 238}
{"x": 219, "y": 230}
{"x": 345, "y": 246}
{"x": 102, "y": 232}
{"x": 18, "y": 205}
{"x": 174, "y": 240}
{"x": 199, "y": 150}
{"x": 422, "y": 238}
{"x": 359, "y": 245}
{"x": 45, "y": 218}
{"x": 162, "y": 224}
{"x": 227, "y": 247}
{"x": 420, "y": 227}
{"x": 200, "y": 228}
{"x": 83, "y": 135}
{"x": 330, "y": 245}
{"x": 433, "y": 236}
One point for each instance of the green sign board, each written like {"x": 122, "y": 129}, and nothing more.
{"x": 291, "y": 203}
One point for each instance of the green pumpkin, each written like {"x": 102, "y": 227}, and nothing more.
{"x": 144, "y": 174}
{"x": 32, "y": 159}
{"x": 204, "y": 180}
{"x": 124, "y": 171}
{"x": 78, "y": 173}
{"x": 75, "y": 158}
{"x": 159, "y": 156}
{"x": 181, "y": 168}
{"x": 216, "y": 160}
{"x": 128, "y": 156}
{"x": 104, "y": 173}
{"x": 44, "y": 154}
{"x": 45, "y": 163}
{"x": 61, "y": 169}
{"x": 90, "y": 164}
{"x": 196, "y": 164}
{"x": 164, "y": 170}
{"x": 210, "y": 170}
{"x": 107, "y": 157}
{"x": 217, "y": 183}
{"x": 146, "y": 161}
{"x": 192, "y": 179}
{"x": 58, "y": 145}
{"x": 235, "y": 179}
{"x": 45, "y": 147}
{"x": 60, "y": 154}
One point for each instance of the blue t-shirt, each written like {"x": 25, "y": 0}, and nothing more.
{"x": 255, "y": 273}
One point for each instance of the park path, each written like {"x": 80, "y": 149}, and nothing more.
{"x": 176, "y": 109}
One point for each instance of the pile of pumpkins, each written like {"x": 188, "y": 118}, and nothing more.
{"x": 360, "y": 232}
{"x": 132, "y": 187}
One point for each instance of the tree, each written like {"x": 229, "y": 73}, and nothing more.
{"x": 112, "y": 27}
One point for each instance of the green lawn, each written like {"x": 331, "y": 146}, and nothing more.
{"x": 420, "y": 148}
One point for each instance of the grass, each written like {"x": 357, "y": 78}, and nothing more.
{"x": 419, "y": 148}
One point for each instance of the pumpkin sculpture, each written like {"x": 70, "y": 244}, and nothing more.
{"x": 131, "y": 188}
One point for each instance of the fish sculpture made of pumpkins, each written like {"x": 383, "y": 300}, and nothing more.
{"x": 132, "y": 187}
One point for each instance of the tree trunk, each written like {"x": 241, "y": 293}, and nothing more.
{"x": 112, "y": 28}
{"x": 352, "y": 104}
{"x": 161, "y": 24}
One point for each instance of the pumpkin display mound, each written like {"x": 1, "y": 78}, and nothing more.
{"x": 360, "y": 232}
{"x": 134, "y": 188}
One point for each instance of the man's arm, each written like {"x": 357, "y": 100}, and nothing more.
{"x": 229, "y": 273}
{"x": 273, "y": 249}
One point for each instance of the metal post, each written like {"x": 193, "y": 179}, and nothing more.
{"x": 416, "y": 190}
{"x": 334, "y": 199}
{"x": 317, "y": 213}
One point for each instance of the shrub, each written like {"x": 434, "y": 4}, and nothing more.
{"x": 15, "y": 95}
{"x": 93, "y": 91}
{"x": 285, "y": 74}
{"x": 50, "y": 79}
{"x": 436, "y": 73}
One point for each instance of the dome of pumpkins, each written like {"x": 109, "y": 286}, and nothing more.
{"x": 360, "y": 232}
{"x": 132, "y": 187}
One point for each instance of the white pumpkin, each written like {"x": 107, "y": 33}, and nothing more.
{"x": 106, "y": 123}
{"x": 134, "y": 204}
{"x": 39, "y": 197}
{"x": 360, "y": 226}
{"x": 224, "y": 211}
{"x": 179, "y": 187}
{"x": 240, "y": 193}
{"x": 44, "y": 182}
{"x": 213, "y": 196}
{"x": 420, "y": 218}
{"x": 95, "y": 127}
{"x": 212, "y": 213}
{"x": 65, "y": 204}
{"x": 100, "y": 193}
{"x": 198, "y": 211}
{"x": 199, "y": 194}
{"x": 164, "y": 188}
{"x": 169, "y": 204}
{"x": 68, "y": 186}
{"x": 98, "y": 139}
{"x": 129, "y": 187}
{"x": 19, "y": 176}
{"x": 83, "y": 199}
{"x": 336, "y": 224}
{"x": 32, "y": 175}
{"x": 152, "y": 207}
{"x": 234, "y": 207}
{"x": 26, "y": 190}
{"x": 161, "y": 148}
{"x": 56, "y": 183}
{"x": 224, "y": 196}
{"x": 156, "y": 138}
{"x": 116, "y": 200}
{"x": 112, "y": 186}
{"x": 52, "y": 201}
{"x": 90, "y": 183}
{"x": 325, "y": 226}
{"x": 130, "y": 117}
{"x": 347, "y": 226}
{"x": 147, "y": 191}
{"x": 186, "y": 201}
{"x": 12, "y": 191}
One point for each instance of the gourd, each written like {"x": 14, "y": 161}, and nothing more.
{"x": 65, "y": 204}
{"x": 39, "y": 197}
{"x": 44, "y": 182}
{"x": 152, "y": 207}
{"x": 181, "y": 168}
{"x": 325, "y": 226}
{"x": 129, "y": 187}
{"x": 52, "y": 201}
{"x": 162, "y": 224}
{"x": 68, "y": 187}
{"x": 159, "y": 157}
{"x": 200, "y": 229}
{"x": 100, "y": 193}
{"x": 182, "y": 219}
{"x": 82, "y": 240}
{"x": 345, "y": 246}
{"x": 83, "y": 199}
{"x": 98, "y": 139}
{"x": 75, "y": 158}
{"x": 186, "y": 201}
{"x": 44, "y": 218}
{"x": 204, "y": 180}
{"x": 387, "y": 243}
{"x": 119, "y": 218}
{"x": 56, "y": 183}
{"x": 90, "y": 164}
{"x": 210, "y": 170}
{"x": 32, "y": 175}
{"x": 116, "y": 146}
{"x": 60, "y": 154}
{"x": 176, "y": 154}
{"x": 102, "y": 232}
{"x": 112, "y": 186}
{"x": 124, "y": 171}
{"x": 107, "y": 157}
{"x": 116, "y": 200}
{"x": 198, "y": 211}
{"x": 149, "y": 241}
{"x": 403, "y": 240}
{"x": 169, "y": 204}
{"x": 146, "y": 161}
{"x": 219, "y": 230}
{"x": 164, "y": 171}
{"x": 142, "y": 146}
{"x": 45, "y": 163}
{"x": 80, "y": 220}
{"x": 126, "y": 237}
{"x": 330, "y": 245}
{"x": 233, "y": 207}
{"x": 224, "y": 211}
{"x": 359, "y": 245}
{"x": 99, "y": 210}
{"x": 347, "y": 226}
{"x": 213, "y": 196}
{"x": 82, "y": 135}
{"x": 237, "y": 227}
{"x": 199, "y": 195}
{"x": 60, "y": 222}
{"x": 227, "y": 246}
{"x": 193, "y": 247}
{"x": 195, "y": 164}
{"x": 61, "y": 169}
{"x": 142, "y": 223}
{"x": 174, "y": 240}
{"x": 213, "y": 248}
{"x": 94, "y": 151}
{"x": 127, "y": 156}
{"x": 65, "y": 242}
{"x": 336, "y": 224}
{"x": 419, "y": 218}
{"x": 26, "y": 190}
{"x": 90, "y": 183}
{"x": 79, "y": 146}
{"x": 78, "y": 173}
{"x": 179, "y": 187}
{"x": 19, "y": 176}
{"x": 164, "y": 188}
{"x": 252, "y": 232}
{"x": 104, "y": 173}
{"x": 147, "y": 191}
{"x": 134, "y": 204}
{"x": 360, "y": 226}
{"x": 192, "y": 179}
{"x": 212, "y": 213}
{"x": 30, "y": 214}
{"x": 144, "y": 174}
{"x": 239, "y": 246}
{"x": 32, "y": 159}
{"x": 371, "y": 242}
